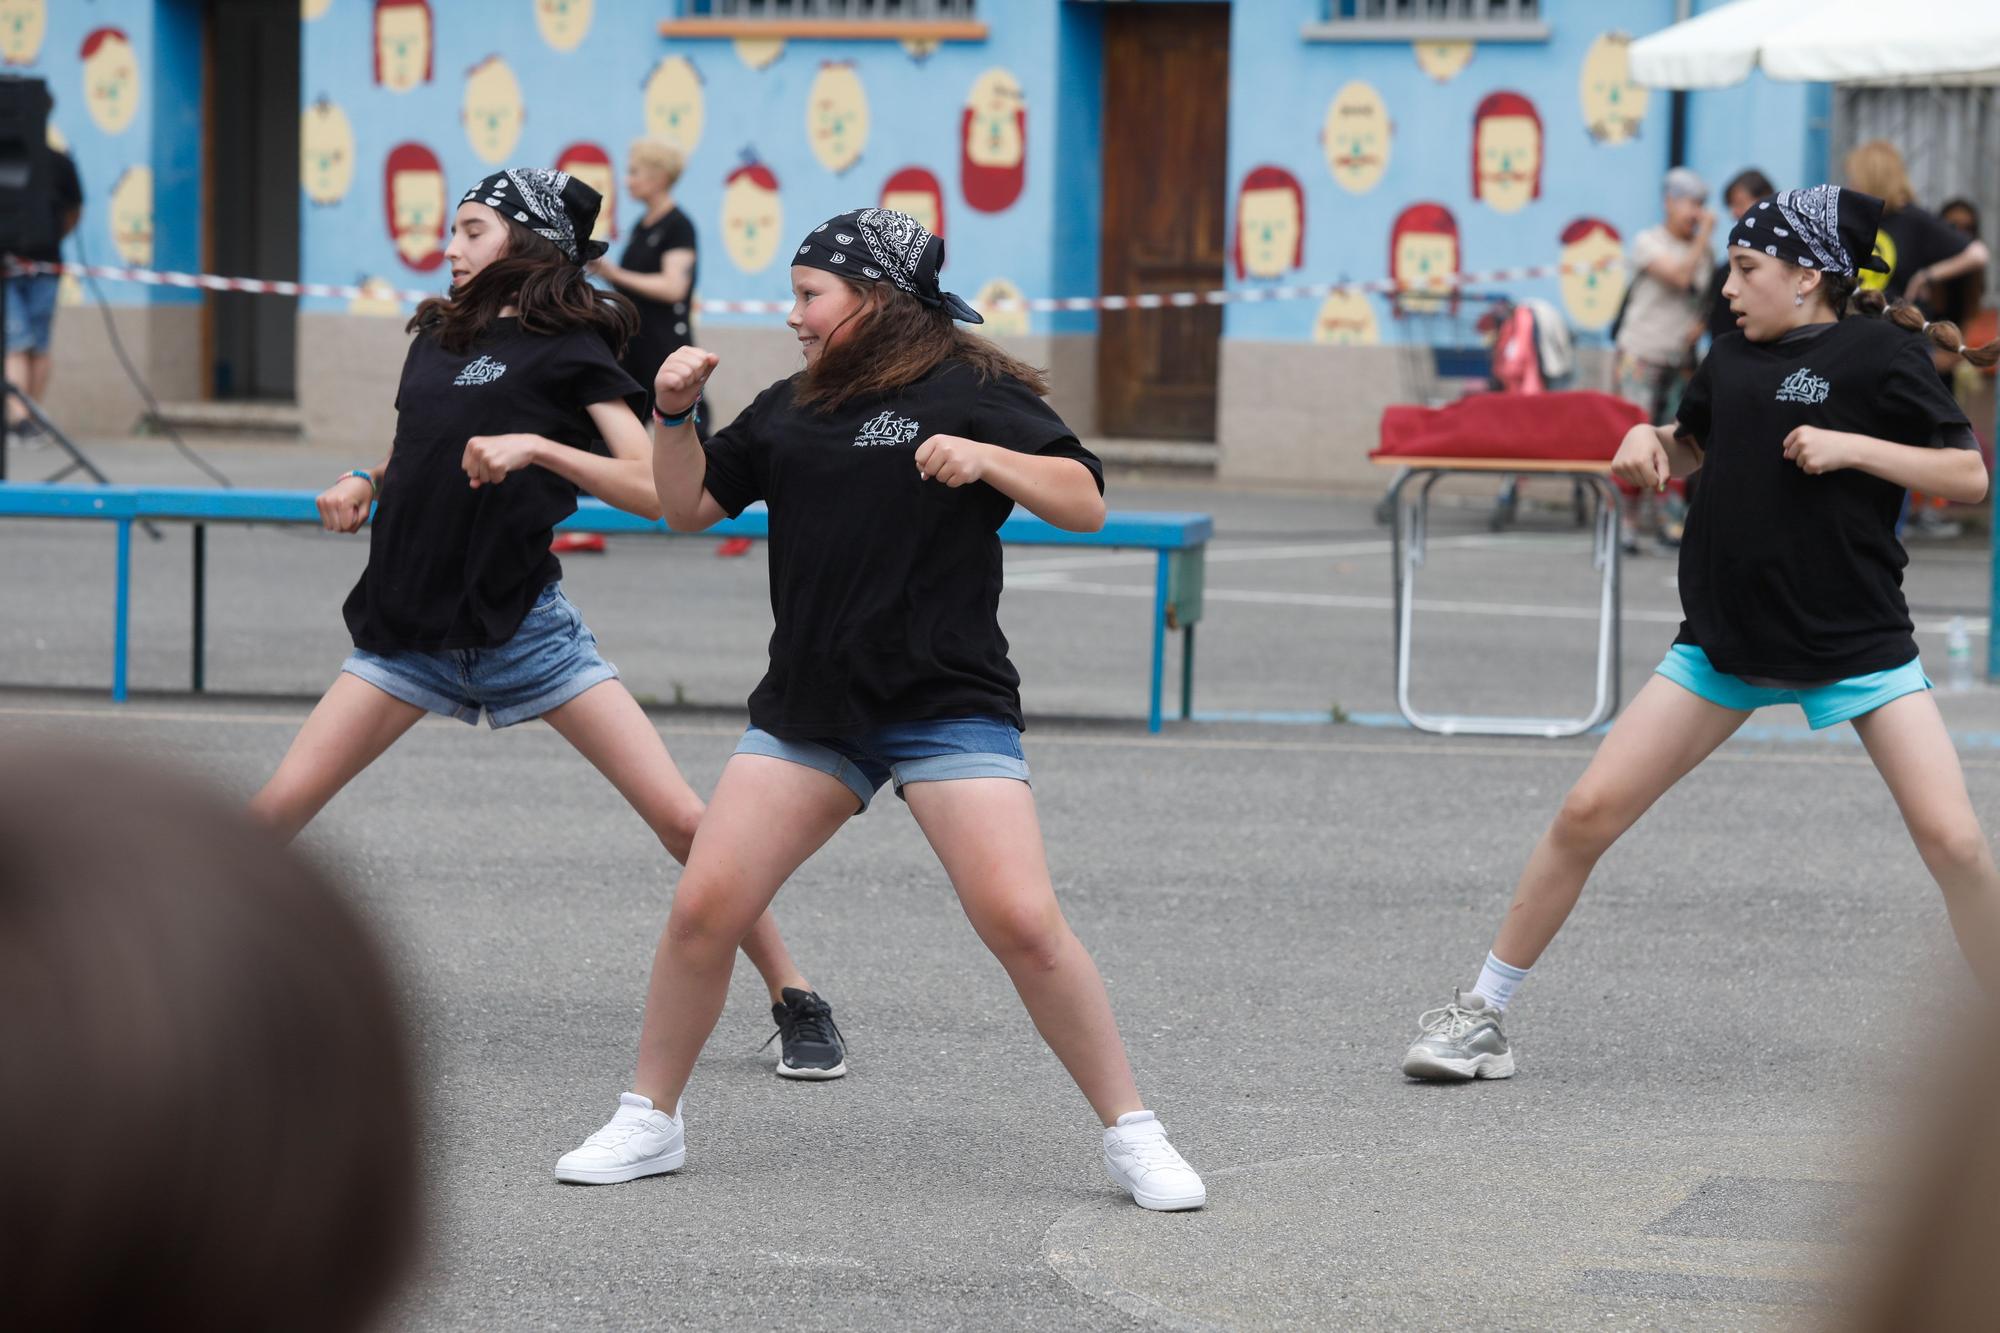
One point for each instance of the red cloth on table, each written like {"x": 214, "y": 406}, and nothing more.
{"x": 1572, "y": 426}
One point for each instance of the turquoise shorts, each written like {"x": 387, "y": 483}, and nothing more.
{"x": 1825, "y": 705}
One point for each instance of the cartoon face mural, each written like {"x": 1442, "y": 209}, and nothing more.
{"x": 1593, "y": 272}
{"x": 1009, "y": 321}
{"x": 564, "y": 22}
{"x": 57, "y": 139}
{"x": 312, "y": 9}
{"x": 132, "y": 216}
{"x": 326, "y": 152}
{"x": 994, "y": 137}
{"x": 1506, "y": 152}
{"x": 110, "y": 79}
{"x": 1443, "y": 61}
{"x": 1613, "y": 105}
{"x": 23, "y": 24}
{"x": 1270, "y": 224}
{"x": 674, "y": 104}
{"x": 1423, "y": 258}
{"x": 1347, "y": 319}
{"x": 759, "y": 52}
{"x": 592, "y": 165}
{"x": 378, "y": 299}
{"x": 751, "y": 216}
{"x": 916, "y": 192}
{"x": 1356, "y": 138}
{"x": 413, "y": 196}
{"x": 492, "y": 112}
{"x": 837, "y": 115}
{"x": 920, "y": 49}
{"x": 403, "y": 40}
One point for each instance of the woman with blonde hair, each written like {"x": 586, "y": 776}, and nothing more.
{"x": 657, "y": 270}
{"x": 1922, "y": 251}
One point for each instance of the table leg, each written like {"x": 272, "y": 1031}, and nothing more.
{"x": 120, "y": 634}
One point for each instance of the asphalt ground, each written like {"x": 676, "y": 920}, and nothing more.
{"x": 1712, "y": 1056}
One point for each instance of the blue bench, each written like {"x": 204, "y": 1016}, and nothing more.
{"x": 1180, "y": 540}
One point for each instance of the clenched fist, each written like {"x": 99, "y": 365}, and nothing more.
{"x": 952, "y": 459}
{"x": 681, "y": 377}
{"x": 343, "y": 506}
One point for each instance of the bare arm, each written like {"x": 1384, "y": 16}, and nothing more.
{"x": 1651, "y": 456}
{"x": 1955, "y": 474}
{"x": 1057, "y": 490}
{"x": 1969, "y": 260}
{"x": 624, "y": 480}
{"x": 669, "y": 285}
{"x": 345, "y": 505}
{"x": 1692, "y": 266}
{"x": 680, "y": 465}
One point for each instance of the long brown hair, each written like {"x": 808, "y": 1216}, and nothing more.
{"x": 1846, "y": 297}
{"x": 896, "y": 341}
{"x": 549, "y": 293}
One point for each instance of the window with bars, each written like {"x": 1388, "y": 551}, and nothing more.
{"x": 1430, "y": 21}
{"x": 849, "y": 20}
{"x": 792, "y": 11}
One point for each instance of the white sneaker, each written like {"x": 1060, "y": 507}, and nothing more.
{"x": 1137, "y": 1154}
{"x": 638, "y": 1141}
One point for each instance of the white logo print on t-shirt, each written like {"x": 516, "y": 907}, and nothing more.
{"x": 483, "y": 371}
{"x": 1802, "y": 386}
{"x": 886, "y": 428}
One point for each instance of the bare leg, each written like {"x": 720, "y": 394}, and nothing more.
{"x": 607, "y": 727}
{"x": 1912, "y": 750}
{"x": 985, "y": 833}
{"x": 37, "y": 383}
{"x": 17, "y": 364}
{"x": 1655, "y": 743}
{"x": 768, "y": 815}
{"x": 350, "y": 727}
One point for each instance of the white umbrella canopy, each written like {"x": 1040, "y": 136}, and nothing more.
{"x": 1831, "y": 41}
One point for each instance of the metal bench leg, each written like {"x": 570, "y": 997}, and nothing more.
{"x": 1159, "y": 641}
{"x": 1187, "y": 673}
{"x": 199, "y": 634}
{"x": 122, "y": 616}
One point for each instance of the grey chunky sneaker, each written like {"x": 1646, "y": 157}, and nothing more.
{"x": 1461, "y": 1041}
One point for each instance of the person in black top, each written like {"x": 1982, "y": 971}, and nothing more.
{"x": 510, "y": 384}
{"x": 888, "y": 464}
{"x": 1745, "y": 188}
{"x": 31, "y": 297}
{"x": 1807, "y": 427}
{"x": 1923, "y": 252}
{"x": 657, "y": 271}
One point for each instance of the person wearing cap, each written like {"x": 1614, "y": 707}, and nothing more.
{"x": 1807, "y": 425}
{"x": 888, "y": 464}
{"x": 510, "y": 388}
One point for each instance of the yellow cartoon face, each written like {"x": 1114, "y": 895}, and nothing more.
{"x": 1613, "y": 105}
{"x": 1009, "y": 321}
{"x": 673, "y": 104}
{"x": 23, "y": 24}
{"x": 1510, "y": 154}
{"x": 493, "y": 112}
{"x": 402, "y": 47}
{"x": 1443, "y": 61}
{"x": 1593, "y": 279}
{"x": 417, "y": 200}
{"x": 1869, "y": 279}
{"x": 312, "y": 9}
{"x": 759, "y": 52}
{"x": 1347, "y": 319}
{"x": 837, "y": 116}
{"x": 751, "y": 218}
{"x": 377, "y": 299}
{"x": 1268, "y": 230}
{"x": 326, "y": 152}
{"x": 919, "y": 204}
{"x": 563, "y": 22}
{"x": 111, "y": 82}
{"x": 993, "y": 134}
{"x": 1426, "y": 263}
{"x": 132, "y": 216}
{"x": 1356, "y": 138}
{"x": 920, "y": 49}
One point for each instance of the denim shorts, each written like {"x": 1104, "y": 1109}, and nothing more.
{"x": 31, "y": 311}
{"x": 904, "y": 752}
{"x": 1824, "y": 705}
{"x": 550, "y": 660}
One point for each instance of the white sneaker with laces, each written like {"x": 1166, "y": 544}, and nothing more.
{"x": 637, "y": 1141}
{"x": 1137, "y": 1154}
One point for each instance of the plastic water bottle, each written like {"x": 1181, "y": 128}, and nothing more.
{"x": 1957, "y": 656}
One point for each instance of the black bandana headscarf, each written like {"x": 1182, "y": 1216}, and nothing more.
{"x": 1823, "y": 228}
{"x": 882, "y": 245}
{"x": 552, "y": 204}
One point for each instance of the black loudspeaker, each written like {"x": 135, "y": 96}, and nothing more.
{"x": 27, "y": 176}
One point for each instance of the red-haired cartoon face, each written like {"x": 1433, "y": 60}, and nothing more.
{"x": 1506, "y": 152}
{"x": 1270, "y": 224}
{"x": 916, "y": 192}
{"x": 403, "y": 41}
{"x": 413, "y": 192}
{"x": 993, "y": 165}
{"x": 1593, "y": 272}
{"x": 1423, "y": 257}
{"x": 592, "y": 165}
{"x": 110, "y": 79}
{"x": 751, "y": 217}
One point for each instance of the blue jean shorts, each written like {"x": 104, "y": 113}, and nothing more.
{"x": 31, "y": 311}
{"x": 1824, "y": 705}
{"x": 904, "y": 752}
{"x": 550, "y": 660}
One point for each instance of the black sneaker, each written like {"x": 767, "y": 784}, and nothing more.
{"x": 812, "y": 1047}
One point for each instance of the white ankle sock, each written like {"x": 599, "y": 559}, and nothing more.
{"x": 1498, "y": 981}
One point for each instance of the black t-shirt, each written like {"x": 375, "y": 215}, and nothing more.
{"x": 664, "y": 326}
{"x": 885, "y": 587}
{"x": 454, "y": 567}
{"x": 64, "y": 192}
{"x": 1915, "y": 240}
{"x": 1783, "y": 574}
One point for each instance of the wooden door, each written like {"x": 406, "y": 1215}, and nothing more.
{"x": 1166, "y": 136}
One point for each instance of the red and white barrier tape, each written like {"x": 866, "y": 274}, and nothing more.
{"x": 1144, "y": 301}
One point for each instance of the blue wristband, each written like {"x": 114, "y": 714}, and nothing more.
{"x": 666, "y": 420}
